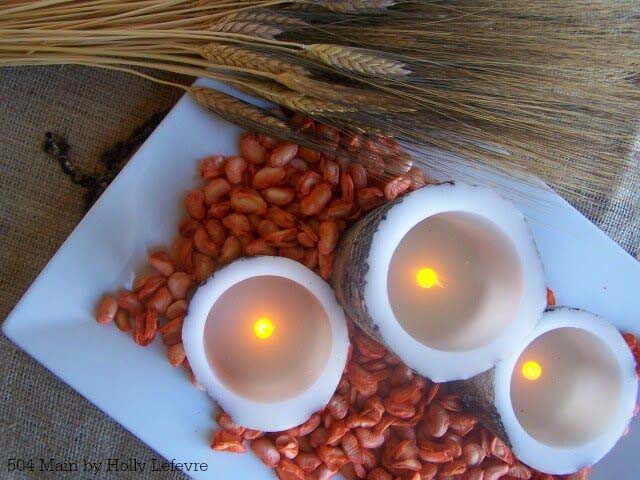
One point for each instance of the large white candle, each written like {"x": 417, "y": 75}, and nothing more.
{"x": 267, "y": 339}
{"x": 448, "y": 277}
{"x": 564, "y": 398}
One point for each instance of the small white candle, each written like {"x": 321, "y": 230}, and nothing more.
{"x": 448, "y": 277}
{"x": 566, "y": 396}
{"x": 267, "y": 339}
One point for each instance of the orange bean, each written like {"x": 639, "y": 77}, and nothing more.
{"x": 234, "y": 169}
{"x": 347, "y": 188}
{"x": 224, "y": 441}
{"x": 294, "y": 253}
{"x": 177, "y": 309}
{"x": 311, "y": 258}
{"x": 299, "y": 164}
{"x": 328, "y": 238}
{"x": 308, "y": 461}
{"x": 268, "y": 177}
{"x": 279, "y": 196}
{"x": 107, "y": 309}
{"x": 358, "y": 175}
{"x": 369, "y": 198}
{"x": 267, "y": 141}
{"x": 252, "y": 150}
{"x": 396, "y": 187}
{"x": 308, "y": 155}
{"x": 338, "y": 209}
{"x": 551, "y": 298}
{"x": 188, "y": 227}
{"x": 151, "y": 284}
{"x": 219, "y": 210}
{"x": 248, "y": 201}
{"x": 331, "y": 173}
{"x": 211, "y": 167}
{"x": 216, "y": 231}
{"x": 379, "y": 473}
{"x": 326, "y": 265}
{"x": 283, "y": 154}
{"x": 316, "y": 200}
{"x": 162, "y": 262}
{"x": 122, "y": 320}
{"x": 306, "y": 240}
{"x": 179, "y": 284}
{"x": 237, "y": 223}
{"x": 281, "y": 217}
{"x": 195, "y": 204}
{"x": 259, "y": 247}
{"x": 204, "y": 244}
{"x": 203, "y": 266}
{"x": 282, "y": 238}
{"x": 231, "y": 249}
{"x": 129, "y": 301}
{"x": 146, "y": 326}
{"x": 215, "y": 190}
{"x": 266, "y": 227}
{"x": 176, "y": 354}
{"x": 307, "y": 183}
{"x": 182, "y": 250}
{"x": 287, "y": 445}
{"x": 266, "y": 451}
{"x": 160, "y": 300}
{"x": 494, "y": 472}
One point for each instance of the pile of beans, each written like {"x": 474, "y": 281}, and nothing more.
{"x": 384, "y": 422}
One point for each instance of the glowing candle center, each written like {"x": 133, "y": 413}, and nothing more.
{"x": 531, "y": 370}
{"x": 428, "y": 278}
{"x": 263, "y": 328}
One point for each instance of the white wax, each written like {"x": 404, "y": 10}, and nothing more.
{"x": 272, "y": 383}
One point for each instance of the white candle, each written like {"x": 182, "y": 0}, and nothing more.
{"x": 267, "y": 339}
{"x": 448, "y": 277}
{"x": 565, "y": 397}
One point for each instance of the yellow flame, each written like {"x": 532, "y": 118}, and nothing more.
{"x": 263, "y": 328}
{"x": 531, "y": 370}
{"x": 428, "y": 278}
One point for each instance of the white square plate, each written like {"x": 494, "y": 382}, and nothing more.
{"x": 54, "y": 321}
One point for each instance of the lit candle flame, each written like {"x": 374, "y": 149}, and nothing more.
{"x": 531, "y": 370}
{"x": 428, "y": 278}
{"x": 263, "y": 328}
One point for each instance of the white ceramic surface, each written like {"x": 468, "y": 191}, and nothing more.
{"x": 54, "y": 322}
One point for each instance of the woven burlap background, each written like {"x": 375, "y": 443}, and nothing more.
{"x": 39, "y": 416}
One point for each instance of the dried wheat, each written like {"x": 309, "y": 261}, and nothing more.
{"x": 357, "y": 60}
{"x": 236, "y": 111}
{"x": 364, "y": 99}
{"x": 356, "y": 6}
{"x": 245, "y": 58}
{"x": 247, "y": 28}
{"x": 293, "y": 100}
{"x": 264, "y": 17}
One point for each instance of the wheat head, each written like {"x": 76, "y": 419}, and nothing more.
{"x": 231, "y": 55}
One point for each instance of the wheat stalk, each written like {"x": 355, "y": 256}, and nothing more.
{"x": 247, "y": 28}
{"x": 244, "y": 58}
{"x": 356, "y": 6}
{"x": 290, "y": 99}
{"x": 364, "y": 99}
{"x": 236, "y": 111}
{"x": 356, "y": 60}
{"x": 264, "y": 17}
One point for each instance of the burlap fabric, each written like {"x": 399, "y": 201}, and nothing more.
{"x": 39, "y": 416}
